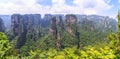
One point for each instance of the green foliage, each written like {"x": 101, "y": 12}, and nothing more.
{"x": 68, "y": 40}
{"x": 114, "y": 39}
{"x": 101, "y": 53}
{"x": 119, "y": 20}
{"x": 73, "y": 53}
{"x": 4, "y": 46}
{"x": 91, "y": 37}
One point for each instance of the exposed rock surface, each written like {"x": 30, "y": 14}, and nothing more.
{"x": 25, "y": 26}
{"x": 15, "y": 24}
{"x": 71, "y": 21}
{"x": 56, "y": 29}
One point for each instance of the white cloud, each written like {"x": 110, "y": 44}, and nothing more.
{"x": 107, "y": 1}
{"x": 119, "y": 1}
{"x": 31, "y": 6}
{"x": 19, "y": 6}
{"x": 93, "y": 6}
{"x": 58, "y": 2}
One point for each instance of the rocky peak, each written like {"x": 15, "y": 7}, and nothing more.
{"x": 15, "y": 22}
{"x": 71, "y": 21}
{"x": 25, "y": 25}
{"x": 56, "y": 24}
{"x": 56, "y": 29}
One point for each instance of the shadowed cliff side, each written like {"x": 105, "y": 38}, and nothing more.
{"x": 56, "y": 29}
{"x": 2, "y": 27}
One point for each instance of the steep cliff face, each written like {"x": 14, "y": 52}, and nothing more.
{"x": 33, "y": 26}
{"x": 25, "y": 27}
{"x": 56, "y": 29}
{"x": 16, "y": 24}
{"x": 71, "y": 21}
{"x": 18, "y": 29}
{"x": 2, "y": 27}
{"x": 56, "y": 24}
{"x": 72, "y": 28}
{"x": 53, "y": 27}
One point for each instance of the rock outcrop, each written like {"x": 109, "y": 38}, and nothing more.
{"x": 2, "y": 27}
{"x": 72, "y": 28}
{"x": 71, "y": 21}
{"x": 56, "y": 24}
{"x": 16, "y": 21}
{"x": 25, "y": 27}
{"x": 33, "y": 26}
{"x": 56, "y": 29}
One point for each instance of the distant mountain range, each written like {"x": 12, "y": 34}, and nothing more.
{"x": 7, "y": 20}
{"x": 32, "y": 26}
{"x": 45, "y": 21}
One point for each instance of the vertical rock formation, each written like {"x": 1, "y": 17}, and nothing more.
{"x": 2, "y": 27}
{"x": 71, "y": 27}
{"x": 25, "y": 27}
{"x": 56, "y": 29}
{"x": 18, "y": 29}
{"x": 33, "y": 26}
{"x": 71, "y": 21}
{"x": 16, "y": 24}
{"x": 53, "y": 28}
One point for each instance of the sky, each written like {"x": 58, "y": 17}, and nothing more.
{"x": 88, "y": 7}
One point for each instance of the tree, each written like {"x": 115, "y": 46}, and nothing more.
{"x": 115, "y": 39}
{"x": 4, "y": 46}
